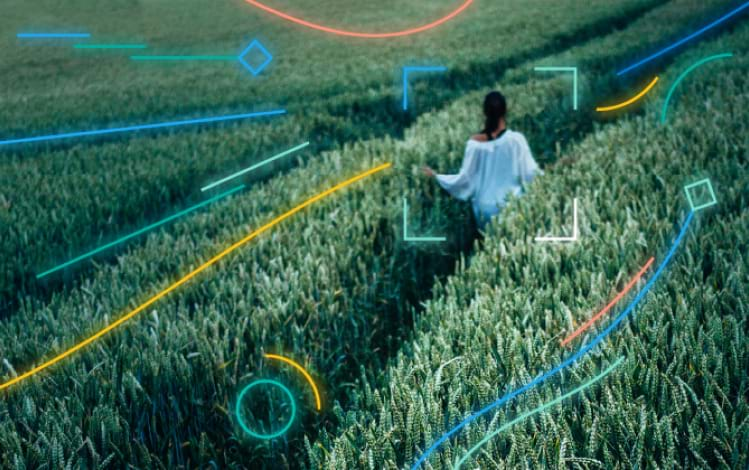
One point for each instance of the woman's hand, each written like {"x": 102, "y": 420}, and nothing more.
{"x": 428, "y": 171}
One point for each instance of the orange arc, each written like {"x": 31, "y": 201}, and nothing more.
{"x": 644, "y": 92}
{"x": 304, "y": 372}
{"x": 611, "y": 304}
{"x": 190, "y": 275}
{"x": 357, "y": 34}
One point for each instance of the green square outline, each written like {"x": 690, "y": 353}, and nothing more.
{"x": 707, "y": 182}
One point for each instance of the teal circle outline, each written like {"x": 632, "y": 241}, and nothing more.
{"x": 238, "y": 412}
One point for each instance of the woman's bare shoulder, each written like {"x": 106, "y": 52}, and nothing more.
{"x": 479, "y": 138}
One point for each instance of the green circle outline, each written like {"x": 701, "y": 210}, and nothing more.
{"x": 238, "y": 412}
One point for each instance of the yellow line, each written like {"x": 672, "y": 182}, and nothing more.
{"x": 191, "y": 275}
{"x": 644, "y": 92}
{"x": 304, "y": 373}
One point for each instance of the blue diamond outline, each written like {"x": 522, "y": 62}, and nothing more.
{"x": 255, "y": 71}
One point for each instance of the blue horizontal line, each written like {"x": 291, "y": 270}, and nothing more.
{"x": 582, "y": 351}
{"x": 686, "y": 39}
{"x": 139, "y": 232}
{"x": 115, "y": 130}
{"x": 52, "y": 35}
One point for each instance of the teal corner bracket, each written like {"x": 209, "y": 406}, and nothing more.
{"x": 411, "y": 239}
{"x": 697, "y": 203}
{"x": 574, "y": 79}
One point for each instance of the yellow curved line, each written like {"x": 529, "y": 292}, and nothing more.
{"x": 644, "y": 92}
{"x": 304, "y": 372}
{"x": 189, "y": 276}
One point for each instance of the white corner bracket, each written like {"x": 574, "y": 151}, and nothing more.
{"x": 575, "y": 230}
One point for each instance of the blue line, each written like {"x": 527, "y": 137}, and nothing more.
{"x": 142, "y": 127}
{"x": 573, "y": 358}
{"x": 139, "y": 232}
{"x": 52, "y": 35}
{"x": 408, "y": 69}
{"x": 686, "y": 39}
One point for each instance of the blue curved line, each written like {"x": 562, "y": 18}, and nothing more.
{"x": 664, "y": 112}
{"x": 159, "y": 125}
{"x": 573, "y": 358}
{"x": 686, "y": 39}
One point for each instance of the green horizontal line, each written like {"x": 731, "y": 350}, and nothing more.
{"x": 183, "y": 57}
{"x": 110, "y": 46}
{"x": 139, "y": 232}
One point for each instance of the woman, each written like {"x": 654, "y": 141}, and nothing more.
{"x": 497, "y": 163}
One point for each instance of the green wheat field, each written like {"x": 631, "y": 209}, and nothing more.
{"x": 404, "y": 340}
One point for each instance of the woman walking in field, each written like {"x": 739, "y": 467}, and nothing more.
{"x": 497, "y": 163}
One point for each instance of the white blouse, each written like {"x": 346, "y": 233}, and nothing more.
{"x": 490, "y": 172}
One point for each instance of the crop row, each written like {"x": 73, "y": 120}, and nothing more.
{"x": 680, "y": 398}
{"x": 331, "y": 288}
{"x": 61, "y": 199}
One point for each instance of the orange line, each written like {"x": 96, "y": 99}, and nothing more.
{"x": 356, "y": 34}
{"x": 304, "y": 372}
{"x": 189, "y": 276}
{"x": 644, "y": 92}
{"x": 611, "y": 304}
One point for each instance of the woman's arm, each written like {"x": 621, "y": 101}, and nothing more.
{"x": 428, "y": 171}
{"x": 462, "y": 185}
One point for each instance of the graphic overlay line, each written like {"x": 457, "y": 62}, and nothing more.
{"x": 575, "y": 229}
{"x": 254, "y": 167}
{"x": 581, "y": 352}
{"x": 605, "y": 109}
{"x": 407, "y": 70}
{"x": 138, "y": 232}
{"x": 243, "y": 424}
{"x": 189, "y": 276}
{"x": 110, "y": 46}
{"x": 695, "y": 203}
{"x": 183, "y": 57}
{"x": 684, "y": 40}
{"x": 407, "y": 237}
{"x": 574, "y": 79}
{"x": 161, "y": 125}
{"x": 363, "y": 35}
{"x": 541, "y": 408}
{"x": 53, "y": 35}
{"x": 664, "y": 111}
{"x": 304, "y": 372}
{"x": 621, "y": 294}
{"x": 249, "y": 64}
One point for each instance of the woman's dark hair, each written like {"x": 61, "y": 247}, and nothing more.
{"x": 495, "y": 108}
